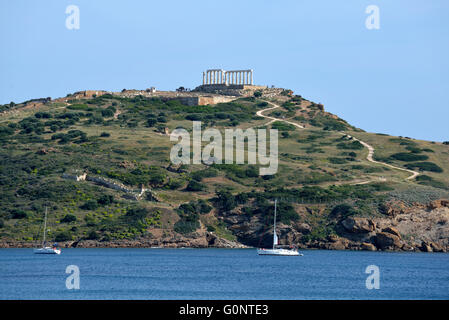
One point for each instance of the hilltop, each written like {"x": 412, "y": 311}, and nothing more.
{"x": 100, "y": 162}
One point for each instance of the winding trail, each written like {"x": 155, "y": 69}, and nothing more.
{"x": 369, "y": 157}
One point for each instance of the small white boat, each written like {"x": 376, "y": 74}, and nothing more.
{"x": 47, "y": 250}
{"x": 277, "y": 251}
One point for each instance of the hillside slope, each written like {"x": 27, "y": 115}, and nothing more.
{"x": 332, "y": 192}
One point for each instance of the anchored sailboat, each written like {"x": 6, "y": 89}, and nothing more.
{"x": 44, "y": 249}
{"x": 277, "y": 251}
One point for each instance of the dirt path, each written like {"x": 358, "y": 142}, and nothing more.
{"x": 369, "y": 157}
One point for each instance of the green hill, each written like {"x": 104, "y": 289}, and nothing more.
{"x": 324, "y": 181}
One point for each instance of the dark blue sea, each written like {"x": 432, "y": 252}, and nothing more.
{"x": 221, "y": 274}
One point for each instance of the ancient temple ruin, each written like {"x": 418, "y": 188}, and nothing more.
{"x": 223, "y": 77}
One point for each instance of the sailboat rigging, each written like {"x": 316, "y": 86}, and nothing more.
{"x": 44, "y": 249}
{"x": 277, "y": 251}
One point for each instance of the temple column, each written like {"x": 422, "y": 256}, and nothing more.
{"x": 251, "y": 77}
{"x": 204, "y": 77}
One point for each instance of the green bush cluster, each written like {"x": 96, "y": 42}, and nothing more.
{"x": 408, "y": 157}
{"x": 424, "y": 166}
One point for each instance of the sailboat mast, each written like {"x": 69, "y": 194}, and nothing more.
{"x": 274, "y": 225}
{"x": 45, "y": 226}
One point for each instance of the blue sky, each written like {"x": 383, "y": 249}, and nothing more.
{"x": 393, "y": 80}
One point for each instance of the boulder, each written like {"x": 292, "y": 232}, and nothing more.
{"x": 436, "y": 247}
{"x": 407, "y": 247}
{"x": 426, "y": 247}
{"x": 393, "y": 208}
{"x": 385, "y": 240}
{"x": 368, "y": 246}
{"x": 358, "y": 225}
{"x": 338, "y": 245}
{"x": 393, "y": 231}
{"x": 333, "y": 238}
{"x": 304, "y": 228}
{"x": 437, "y": 204}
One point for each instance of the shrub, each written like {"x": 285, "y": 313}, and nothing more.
{"x": 194, "y": 117}
{"x": 257, "y": 93}
{"x": 68, "y": 218}
{"x": 174, "y": 184}
{"x": 2, "y": 223}
{"x": 105, "y": 134}
{"x": 107, "y": 113}
{"x": 151, "y": 122}
{"x": 92, "y": 235}
{"x": 18, "y": 214}
{"x": 63, "y": 236}
{"x": 203, "y": 206}
{"x": 44, "y": 115}
{"x": 89, "y": 205}
{"x": 225, "y": 200}
{"x": 342, "y": 210}
{"x": 282, "y": 126}
{"x": 337, "y": 160}
{"x": 206, "y": 173}
{"x": 423, "y": 177}
{"x": 354, "y": 145}
{"x": 195, "y": 186}
{"x": 105, "y": 199}
{"x": 409, "y": 157}
{"x": 135, "y": 215}
{"x": 184, "y": 227}
{"x": 424, "y": 166}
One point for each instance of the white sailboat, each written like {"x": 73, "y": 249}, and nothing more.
{"x": 44, "y": 249}
{"x": 277, "y": 251}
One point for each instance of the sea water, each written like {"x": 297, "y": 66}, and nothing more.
{"x": 221, "y": 274}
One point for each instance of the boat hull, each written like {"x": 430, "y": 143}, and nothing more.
{"x": 278, "y": 252}
{"x": 47, "y": 250}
